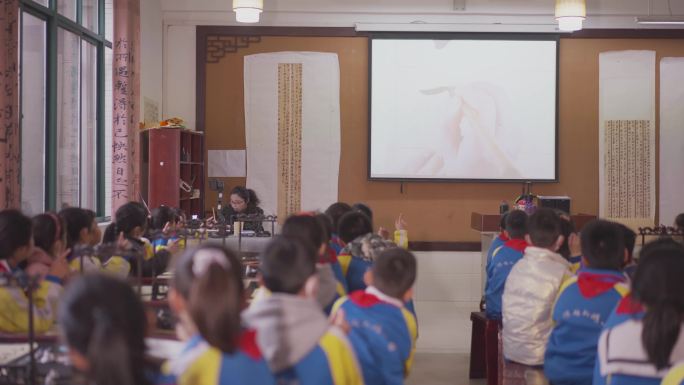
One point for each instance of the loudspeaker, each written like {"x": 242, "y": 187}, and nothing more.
{"x": 555, "y": 202}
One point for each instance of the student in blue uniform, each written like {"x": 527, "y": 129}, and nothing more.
{"x": 503, "y": 260}
{"x": 500, "y": 239}
{"x": 379, "y": 310}
{"x": 309, "y": 229}
{"x": 295, "y": 337}
{"x": 362, "y": 246}
{"x": 335, "y": 211}
{"x": 103, "y": 323}
{"x": 584, "y": 303}
{"x": 162, "y": 231}
{"x": 641, "y": 351}
{"x": 207, "y": 296}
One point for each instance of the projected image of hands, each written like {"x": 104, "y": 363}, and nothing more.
{"x": 463, "y": 109}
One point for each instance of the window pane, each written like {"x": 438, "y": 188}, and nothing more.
{"x": 89, "y": 15}
{"x": 109, "y": 20}
{"x": 88, "y": 126}
{"x": 68, "y": 118}
{"x": 42, "y": 2}
{"x": 33, "y": 51}
{"x": 108, "y": 108}
{"x": 67, "y": 8}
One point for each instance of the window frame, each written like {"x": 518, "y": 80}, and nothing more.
{"x": 54, "y": 21}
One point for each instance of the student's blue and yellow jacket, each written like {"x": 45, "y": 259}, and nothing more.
{"x": 498, "y": 268}
{"x": 336, "y": 243}
{"x": 358, "y": 255}
{"x": 383, "y": 333}
{"x": 622, "y": 359}
{"x": 627, "y": 309}
{"x": 299, "y": 344}
{"x": 117, "y": 265}
{"x": 15, "y": 305}
{"x": 341, "y": 284}
{"x": 575, "y": 263}
{"x": 497, "y": 242}
{"x": 582, "y": 307}
{"x": 201, "y": 364}
{"x": 675, "y": 376}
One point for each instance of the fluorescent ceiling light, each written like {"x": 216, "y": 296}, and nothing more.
{"x": 661, "y": 20}
{"x": 456, "y": 27}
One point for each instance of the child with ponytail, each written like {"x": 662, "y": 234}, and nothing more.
{"x": 127, "y": 229}
{"x": 49, "y": 238}
{"x": 207, "y": 295}
{"x": 641, "y": 350}
{"x": 103, "y": 324}
{"x": 16, "y": 244}
{"x": 82, "y": 232}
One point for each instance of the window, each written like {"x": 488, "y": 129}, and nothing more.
{"x": 66, "y": 104}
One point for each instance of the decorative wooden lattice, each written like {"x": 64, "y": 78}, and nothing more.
{"x": 220, "y": 46}
{"x": 627, "y": 161}
{"x": 289, "y": 138}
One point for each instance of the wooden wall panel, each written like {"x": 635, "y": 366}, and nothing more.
{"x": 434, "y": 211}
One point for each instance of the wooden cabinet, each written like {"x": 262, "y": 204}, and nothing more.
{"x": 173, "y": 163}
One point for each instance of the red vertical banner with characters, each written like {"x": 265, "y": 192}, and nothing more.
{"x": 9, "y": 104}
{"x": 125, "y": 141}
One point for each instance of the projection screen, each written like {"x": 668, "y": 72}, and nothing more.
{"x": 471, "y": 109}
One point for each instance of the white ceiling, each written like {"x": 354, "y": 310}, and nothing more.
{"x": 600, "y": 13}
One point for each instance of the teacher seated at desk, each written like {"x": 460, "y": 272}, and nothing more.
{"x": 243, "y": 201}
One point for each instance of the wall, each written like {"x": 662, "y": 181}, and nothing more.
{"x": 179, "y": 73}
{"x": 434, "y": 211}
{"x": 151, "y": 52}
{"x": 447, "y": 290}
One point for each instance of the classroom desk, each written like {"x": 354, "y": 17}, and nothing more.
{"x": 244, "y": 245}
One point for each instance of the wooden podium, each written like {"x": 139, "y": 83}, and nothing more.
{"x": 488, "y": 226}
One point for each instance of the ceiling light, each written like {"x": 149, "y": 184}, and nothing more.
{"x": 661, "y": 20}
{"x": 570, "y": 14}
{"x": 248, "y": 11}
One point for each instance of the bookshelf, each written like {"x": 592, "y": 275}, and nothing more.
{"x": 172, "y": 163}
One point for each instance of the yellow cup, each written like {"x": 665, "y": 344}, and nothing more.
{"x": 237, "y": 227}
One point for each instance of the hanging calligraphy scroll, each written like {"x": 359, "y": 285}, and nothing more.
{"x": 125, "y": 143}
{"x": 627, "y": 137}
{"x": 9, "y": 104}
{"x": 289, "y": 138}
{"x": 292, "y": 127}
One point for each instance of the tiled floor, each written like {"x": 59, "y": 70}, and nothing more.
{"x": 441, "y": 369}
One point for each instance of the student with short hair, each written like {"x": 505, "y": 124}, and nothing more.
{"x": 531, "y": 288}
{"x": 207, "y": 296}
{"x": 104, "y": 324}
{"x": 630, "y": 240}
{"x": 335, "y": 211}
{"x": 584, "y": 303}
{"x": 16, "y": 244}
{"x": 310, "y": 229}
{"x": 383, "y": 331}
{"x": 362, "y": 246}
{"x": 641, "y": 351}
{"x": 629, "y": 308}
{"x": 295, "y": 337}
{"x": 503, "y": 260}
{"x": 498, "y": 240}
